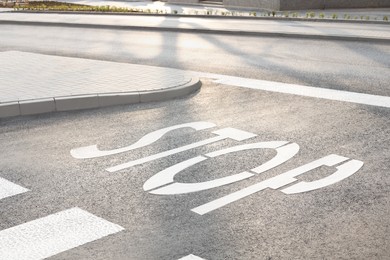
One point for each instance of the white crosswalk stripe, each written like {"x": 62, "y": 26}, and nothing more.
{"x": 8, "y": 189}
{"x": 53, "y": 234}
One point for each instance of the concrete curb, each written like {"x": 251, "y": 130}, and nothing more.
{"x": 88, "y": 101}
{"x": 205, "y": 31}
{"x": 216, "y": 17}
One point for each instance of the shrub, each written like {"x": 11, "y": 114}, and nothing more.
{"x": 310, "y": 15}
{"x": 334, "y": 16}
{"x": 385, "y": 18}
{"x": 322, "y": 16}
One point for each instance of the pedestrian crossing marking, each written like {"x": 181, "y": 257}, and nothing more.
{"x": 8, "y": 189}
{"x": 53, "y": 234}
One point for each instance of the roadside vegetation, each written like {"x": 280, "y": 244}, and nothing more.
{"x": 61, "y": 6}
{"x": 71, "y": 7}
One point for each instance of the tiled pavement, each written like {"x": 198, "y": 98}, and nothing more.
{"x": 35, "y": 83}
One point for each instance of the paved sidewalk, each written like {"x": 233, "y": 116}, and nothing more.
{"x": 36, "y": 83}
{"x": 230, "y": 26}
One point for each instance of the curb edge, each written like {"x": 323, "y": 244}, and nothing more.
{"x": 89, "y": 101}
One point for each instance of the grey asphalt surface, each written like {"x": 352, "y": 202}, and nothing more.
{"x": 351, "y": 66}
{"x": 347, "y": 220}
{"x": 355, "y": 30}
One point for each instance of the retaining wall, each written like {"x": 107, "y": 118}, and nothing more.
{"x": 297, "y": 4}
{"x": 266, "y": 4}
{"x": 183, "y": 1}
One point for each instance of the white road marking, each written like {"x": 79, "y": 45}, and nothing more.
{"x": 343, "y": 171}
{"x": 53, "y": 234}
{"x": 284, "y": 153}
{"x": 332, "y": 94}
{"x": 164, "y": 177}
{"x": 93, "y": 152}
{"x": 8, "y": 189}
{"x": 164, "y": 154}
{"x": 288, "y": 177}
{"x": 225, "y": 133}
{"x": 182, "y": 188}
{"x": 191, "y": 257}
{"x": 294, "y": 89}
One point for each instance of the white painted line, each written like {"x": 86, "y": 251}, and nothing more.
{"x": 284, "y": 154}
{"x": 331, "y": 94}
{"x": 191, "y": 257}
{"x": 232, "y": 197}
{"x": 93, "y": 152}
{"x": 294, "y": 89}
{"x": 166, "y": 176}
{"x": 53, "y": 234}
{"x": 182, "y": 188}
{"x": 164, "y": 154}
{"x": 343, "y": 171}
{"x": 234, "y": 134}
{"x": 288, "y": 177}
{"x": 225, "y": 133}
{"x": 8, "y": 189}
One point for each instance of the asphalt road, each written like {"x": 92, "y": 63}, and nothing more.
{"x": 351, "y": 66}
{"x": 345, "y": 220}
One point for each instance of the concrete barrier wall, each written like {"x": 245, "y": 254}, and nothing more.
{"x": 297, "y": 4}
{"x": 183, "y": 1}
{"x": 356, "y": 3}
{"x": 302, "y": 4}
{"x": 266, "y": 4}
